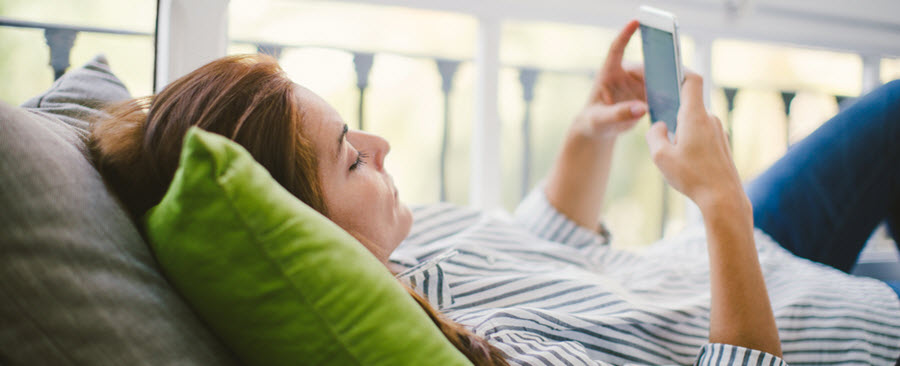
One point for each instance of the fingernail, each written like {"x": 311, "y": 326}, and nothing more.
{"x": 638, "y": 110}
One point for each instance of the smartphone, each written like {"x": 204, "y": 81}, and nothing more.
{"x": 662, "y": 65}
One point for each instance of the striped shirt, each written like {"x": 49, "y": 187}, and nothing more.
{"x": 548, "y": 292}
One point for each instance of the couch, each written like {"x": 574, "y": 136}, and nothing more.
{"x": 230, "y": 269}
{"x": 78, "y": 284}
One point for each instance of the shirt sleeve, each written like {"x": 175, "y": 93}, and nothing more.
{"x": 718, "y": 354}
{"x": 538, "y": 216}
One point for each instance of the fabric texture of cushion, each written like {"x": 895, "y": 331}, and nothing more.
{"x": 78, "y": 284}
{"x": 78, "y": 97}
{"x": 277, "y": 281}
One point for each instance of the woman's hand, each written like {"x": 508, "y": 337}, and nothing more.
{"x": 617, "y": 98}
{"x": 698, "y": 163}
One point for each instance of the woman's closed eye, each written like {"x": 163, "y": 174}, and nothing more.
{"x": 359, "y": 160}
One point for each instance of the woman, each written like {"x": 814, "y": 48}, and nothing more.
{"x": 542, "y": 288}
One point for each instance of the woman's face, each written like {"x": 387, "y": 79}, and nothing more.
{"x": 360, "y": 195}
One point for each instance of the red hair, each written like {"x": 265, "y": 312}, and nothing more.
{"x": 248, "y": 99}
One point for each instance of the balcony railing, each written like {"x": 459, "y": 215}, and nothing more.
{"x": 60, "y": 39}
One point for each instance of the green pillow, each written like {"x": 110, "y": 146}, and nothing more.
{"x": 277, "y": 281}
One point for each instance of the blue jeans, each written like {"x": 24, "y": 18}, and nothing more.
{"x": 823, "y": 199}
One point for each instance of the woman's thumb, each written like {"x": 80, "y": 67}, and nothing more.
{"x": 658, "y": 141}
{"x": 622, "y": 111}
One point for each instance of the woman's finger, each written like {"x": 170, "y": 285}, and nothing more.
{"x": 658, "y": 141}
{"x": 692, "y": 93}
{"x": 636, "y": 71}
{"x": 617, "y": 48}
{"x": 723, "y": 134}
{"x": 622, "y": 111}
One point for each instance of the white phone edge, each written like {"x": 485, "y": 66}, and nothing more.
{"x": 665, "y": 21}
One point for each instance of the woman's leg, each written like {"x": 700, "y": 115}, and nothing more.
{"x": 824, "y": 198}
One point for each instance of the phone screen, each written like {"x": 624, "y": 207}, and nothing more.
{"x": 660, "y": 75}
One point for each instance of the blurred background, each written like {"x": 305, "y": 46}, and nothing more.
{"x": 414, "y": 69}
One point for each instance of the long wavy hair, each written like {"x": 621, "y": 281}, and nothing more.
{"x": 250, "y": 100}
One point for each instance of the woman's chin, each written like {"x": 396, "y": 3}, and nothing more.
{"x": 405, "y": 219}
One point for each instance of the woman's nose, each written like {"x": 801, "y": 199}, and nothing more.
{"x": 373, "y": 144}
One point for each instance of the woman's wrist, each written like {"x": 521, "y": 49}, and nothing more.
{"x": 584, "y": 130}
{"x": 724, "y": 200}
{"x": 582, "y": 141}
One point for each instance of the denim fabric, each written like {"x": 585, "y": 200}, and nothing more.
{"x": 895, "y": 285}
{"x": 823, "y": 199}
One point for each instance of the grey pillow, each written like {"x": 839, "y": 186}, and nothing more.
{"x": 78, "y": 285}
{"x": 78, "y": 97}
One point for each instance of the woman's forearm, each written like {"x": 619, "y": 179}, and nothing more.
{"x": 577, "y": 181}
{"x": 740, "y": 312}
{"x": 578, "y": 178}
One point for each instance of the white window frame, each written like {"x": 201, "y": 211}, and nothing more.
{"x": 190, "y": 33}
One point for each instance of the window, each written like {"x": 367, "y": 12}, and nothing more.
{"x": 26, "y": 60}
{"x": 766, "y": 76}
{"x": 890, "y": 69}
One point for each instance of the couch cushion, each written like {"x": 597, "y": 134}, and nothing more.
{"x": 280, "y": 283}
{"x": 78, "y": 97}
{"x": 78, "y": 285}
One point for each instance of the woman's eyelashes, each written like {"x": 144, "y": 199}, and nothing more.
{"x": 359, "y": 160}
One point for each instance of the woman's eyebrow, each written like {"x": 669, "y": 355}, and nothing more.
{"x": 337, "y": 153}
